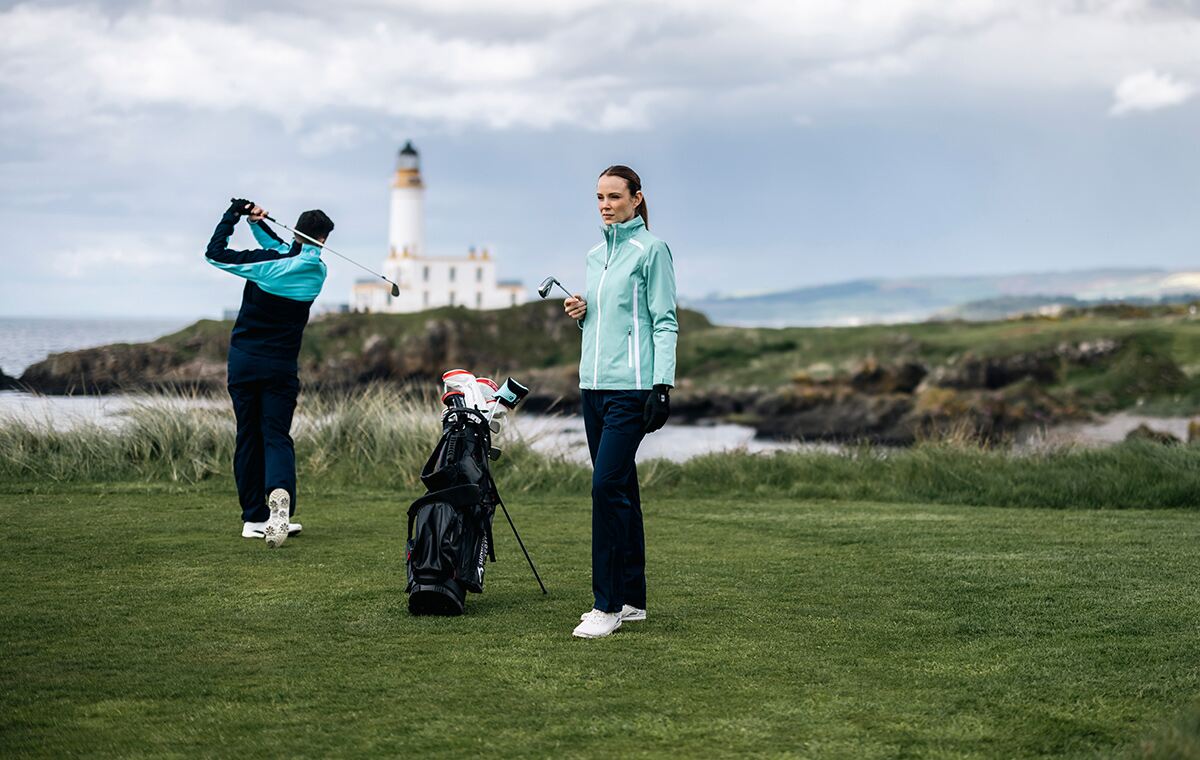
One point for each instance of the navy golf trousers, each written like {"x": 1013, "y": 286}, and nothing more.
{"x": 264, "y": 394}
{"x": 613, "y": 421}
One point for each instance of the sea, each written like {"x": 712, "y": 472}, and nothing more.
{"x": 28, "y": 340}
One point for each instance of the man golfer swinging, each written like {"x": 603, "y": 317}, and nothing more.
{"x": 283, "y": 279}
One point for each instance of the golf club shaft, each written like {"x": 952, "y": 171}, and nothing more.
{"x": 324, "y": 247}
{"x": 560, "y": 287}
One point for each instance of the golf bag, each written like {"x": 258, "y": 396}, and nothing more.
{"x": 450, "y": 527}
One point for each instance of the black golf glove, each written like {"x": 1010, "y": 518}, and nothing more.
{"x": 657, "y": 409}
{"x": 239, "y": 206}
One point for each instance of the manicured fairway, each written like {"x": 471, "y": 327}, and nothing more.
{"x": 136, "y": 622}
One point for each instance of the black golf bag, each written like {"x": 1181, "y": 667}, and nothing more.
{"x": 450, "y": 527}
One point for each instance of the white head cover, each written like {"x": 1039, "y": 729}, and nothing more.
{"x": 468, "y": 385}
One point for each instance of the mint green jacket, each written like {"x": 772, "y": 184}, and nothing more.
{"x": 630, "y": 329}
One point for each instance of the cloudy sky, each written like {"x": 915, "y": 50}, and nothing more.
{"x": 781, "y": 143}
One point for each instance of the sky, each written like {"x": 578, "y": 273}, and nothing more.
{"x": 781, "y": 143}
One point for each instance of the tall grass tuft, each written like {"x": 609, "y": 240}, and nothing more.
{"x": 380, "y": 439}
{"x": 376, "y": 438}
{"x": 1128, "y": 475}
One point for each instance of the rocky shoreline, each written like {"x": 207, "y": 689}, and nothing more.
{"x": 887, "y": 404}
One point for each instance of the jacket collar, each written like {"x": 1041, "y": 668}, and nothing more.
{"x": 623, "y": 230}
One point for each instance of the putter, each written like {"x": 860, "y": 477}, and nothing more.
{"x": 550, "y": 282}
{"x": 322, "y": 246}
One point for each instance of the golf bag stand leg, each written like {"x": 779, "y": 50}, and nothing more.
{"x": 522, "y": 545}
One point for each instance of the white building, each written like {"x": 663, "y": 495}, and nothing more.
{"x": 426, "y": 281}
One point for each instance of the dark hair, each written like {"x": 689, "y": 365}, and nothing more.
{"x": 315, "y": 224}
{"x": 635, "y": 185}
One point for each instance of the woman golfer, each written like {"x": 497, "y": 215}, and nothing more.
{"x": 626, "y": 369}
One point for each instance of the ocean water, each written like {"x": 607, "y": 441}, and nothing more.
{"x": 25, "y": 341}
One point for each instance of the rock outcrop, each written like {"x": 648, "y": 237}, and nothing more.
{"x": 9, "y": 383}
{"x": 1144, "y": 432}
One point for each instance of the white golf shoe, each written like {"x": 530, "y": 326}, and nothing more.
{"x": 597, "y": 624}
{"x": 276, "y": 530}
{"x": 629, "y": 614}
{"x": 259, "y": 529}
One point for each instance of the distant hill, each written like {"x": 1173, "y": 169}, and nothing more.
{"x": 880, "y": 301}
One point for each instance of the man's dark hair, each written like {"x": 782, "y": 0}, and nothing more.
{"x": 315, "y": 224}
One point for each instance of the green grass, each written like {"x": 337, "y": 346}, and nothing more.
{"x": 137, "y": 623}
{"x": 769, "y": 357}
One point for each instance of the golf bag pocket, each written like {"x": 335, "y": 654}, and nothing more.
{"x": 446, "y": 549}
{"x": 458, "y": 459}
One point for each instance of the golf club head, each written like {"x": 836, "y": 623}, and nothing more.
{"x": 395, "y": 290}
{"x": 544, "y": 288}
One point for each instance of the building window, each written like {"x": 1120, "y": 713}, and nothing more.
{"x": 479, "y": 300}
{"x": 452, "y": 292}
{"x": 425, "y": 297}
{"x": 426, "y": 274}
{"x": 478, "y": 274}
{"x": 451, "y": 274}
{"x": 514, "y": 299}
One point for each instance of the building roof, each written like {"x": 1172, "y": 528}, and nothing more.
{"x": 408, "y": 149}
{"x": 371, "y": 285}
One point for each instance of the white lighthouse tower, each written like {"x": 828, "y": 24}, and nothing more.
{"x": 424, "y": 281}
{"x": 406, "y": 225}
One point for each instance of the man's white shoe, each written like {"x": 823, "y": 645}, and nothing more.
{"x": 597, "y": 624}
{"x": 259, "y": 529}
{"x": 629, "y": 614}
{"x": 276, "y": 530}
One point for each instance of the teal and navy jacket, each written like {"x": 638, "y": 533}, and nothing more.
{"x": 283, "y": 279}
{"x": 630, "y": 329}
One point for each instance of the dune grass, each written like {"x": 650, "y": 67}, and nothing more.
{"x": 381, "y": 439}
{"x": 137, "y": 623}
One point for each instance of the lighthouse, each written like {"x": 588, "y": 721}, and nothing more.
{"x": 406, "y": 224}
{"x": 425, "y": 281}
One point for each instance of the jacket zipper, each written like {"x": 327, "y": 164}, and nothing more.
{"x": 600, "y": 310}
{"x": 637, "y": 343}
{"x": 629, "y": 347}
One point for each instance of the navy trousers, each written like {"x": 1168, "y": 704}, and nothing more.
{"x": 264, "y": 398}
{"x": 613, "y": 422}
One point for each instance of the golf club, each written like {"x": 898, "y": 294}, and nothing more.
{"x": 548, "y": 283}
{"x": 395, "y": 287}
